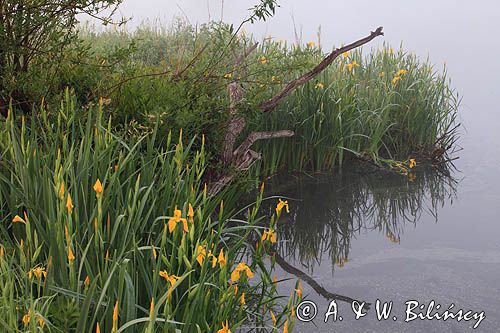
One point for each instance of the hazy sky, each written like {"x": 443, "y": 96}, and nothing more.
{"x": 425, "y": 26}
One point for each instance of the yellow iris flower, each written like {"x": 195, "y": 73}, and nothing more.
{"x": 351, "y": 65}
{"x": 413, "y": 163}
{"x": 98, "y": 188}
{"x": 319, "y": 85}
{"x": 172, "y": 279}
{"x": 190, "y": 213}
{"x": 241, "y": 268}
{"x": 38, "y": 272}
{"x": 71, "y": 256}
{"x": 396, "y": 79}
{"x": 69, "y": 204}
{"x": 222, "y": 258}
{"x": 177, "y": 218}
{"x": 282, "y": 204}
{"x": 225, "y": 328}
{"x": 202, "y": 253}
{"x": 270, "y": 235}
{"x": 18, "y": 218}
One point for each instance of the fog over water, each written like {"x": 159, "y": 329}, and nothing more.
{"x": 454, "y": 258}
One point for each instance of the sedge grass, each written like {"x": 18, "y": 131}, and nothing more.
{"x": 97, "y": 230}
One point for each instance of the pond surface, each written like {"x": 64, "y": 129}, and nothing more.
{"x": 369, "y": 237}
{"x": 359, "y": 236}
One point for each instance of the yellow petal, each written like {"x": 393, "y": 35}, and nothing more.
{"x": 201, "y": 254}
{"x": 214, "y": 261}
{"x": 171, "y": 224}
{"x": 69, "y": 204}
{"x": 71, "y": 256}
{"x": 235, "y": 275}
{"x": 61, "y": 190}
{"x": 190, "y": 213}
{"x": 185, "y": 225}
{"x": 222, "y": 258}
{"x": 273, "y": 317}
{"x": 26, "y": 318}
{"x": 152, "y": 308}
{"x": 248, "y": 272}
{"x": 98, "y": 188}
{"x": 273, "y": 237}
{"x": 115, "y": 316}
{"x": 18, "y": 218}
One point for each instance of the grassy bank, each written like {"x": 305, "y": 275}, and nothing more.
{"x": 101, "y": 231}
{"x": 382, "y": 105}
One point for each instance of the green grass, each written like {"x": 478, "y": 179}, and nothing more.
{"x": 99, "y": 249}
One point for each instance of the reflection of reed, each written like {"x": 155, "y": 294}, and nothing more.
{"x": 330, "y": 213}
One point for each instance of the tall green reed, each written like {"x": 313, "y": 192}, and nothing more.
{"x": 99, "y": 230}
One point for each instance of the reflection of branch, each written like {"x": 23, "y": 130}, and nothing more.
{"x": 310, "y": 281}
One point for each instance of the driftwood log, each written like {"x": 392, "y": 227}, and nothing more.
{"x": 241, "y": 158}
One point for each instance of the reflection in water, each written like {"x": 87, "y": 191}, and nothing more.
{"x": 328, "y": 214}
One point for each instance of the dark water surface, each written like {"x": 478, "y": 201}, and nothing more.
{"x": 431, "y": 239}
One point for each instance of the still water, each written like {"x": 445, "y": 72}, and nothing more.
{"x": 359, "y": 236}
{"x": 370, "y": 236}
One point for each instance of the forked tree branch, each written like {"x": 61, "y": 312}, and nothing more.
{"x": 241, "y": 158}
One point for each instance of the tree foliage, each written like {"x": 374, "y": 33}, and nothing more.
{"x": 34, "y": 33}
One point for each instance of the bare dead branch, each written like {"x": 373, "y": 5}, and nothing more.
{"x": 236, "y": 123}
{"x": 273, "y": 102}
{"x": 254, "y": 136}
{"x": 242, "y": 157}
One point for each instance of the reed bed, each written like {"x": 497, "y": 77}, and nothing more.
{"x": 388, "y": 107}
{"x": 385, "y": 105}
{"x": 99, "y": 233}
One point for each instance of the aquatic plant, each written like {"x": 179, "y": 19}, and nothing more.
{"x": 100, "y": 233}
